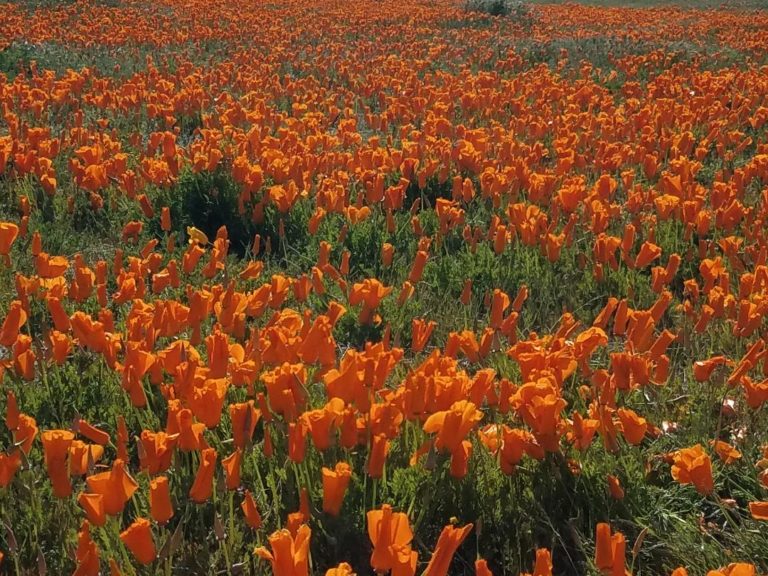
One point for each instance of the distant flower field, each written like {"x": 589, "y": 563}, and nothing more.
{"x": 383, "y": 287}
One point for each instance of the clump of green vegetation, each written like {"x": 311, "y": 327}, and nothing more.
{"x": 516, "y": 8}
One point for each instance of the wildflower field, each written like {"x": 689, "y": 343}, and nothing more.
{"x": 383, "y": 287}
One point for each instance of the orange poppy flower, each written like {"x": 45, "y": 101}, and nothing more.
{"x": 369, "y": 293}
{"x": 342, "y": 569}
{"x": 93, "y": 504}
{"x": 9, "y": 465}
{"x": 322, "y": 423}
{"x": 543, "y": 566}
{"x": 335, "y": 484}
{"x": 693, "y": 466}
{"x": 377, "y": 455}
{"x": 56, "y": 445}
{"x": 540, "y": 406}
{"x": 14, "y": 321}
{"x": 609, "y": 551}
{"x": 391, "y": 536}
{"x": 87, "y": 553}
{"x": 139, "y": 540}
{"x": 481, "y": 568}
{"x": 452, "y": 426}
{"x": 244, "y": 418}
{"x": 25, "y": 432}
{"x": 116, "y": 486}
{"x": 759, "y": 510}
{"x": 82, "y": 457}
{"x": 231, "y": 465}
{"x": 207, "y": 401}
{"x": 190, "y": 433}
{"x": 290, "y": 554}
{"x": 8, "y": 234}
{"x": 702, "y": 369}
{"x": 387, "y": 253}
{"x": 633, "y": 426}
{"x": 160, "y": 503}
{"x": 251, "y": 511}
{"x": 499, "y": 302}
{"x": 165, "y": 219}
{"x": 614, "y": 487}
{"x": 727, "y": 453}
{"x": 447, "y": 544}
{"x": 156, "y": 450}
{"x": 202, "y": 487}
{"x": 297, "y": 441}
{"x": 91, "y": 432}
{"x": 11, "y": 411}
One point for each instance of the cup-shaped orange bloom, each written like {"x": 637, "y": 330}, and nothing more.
{"x": 160, "y": 504}
{"x": 319, "y": 344}
{"x": 335, "y": 484}
{"x": 421, "y": 331}
{"x": 202, "y": 488}
{"x": 165, "y": 219}
{"x": 14, "y": 320}
{"x": 727, "y": 453}
{"x": 12, "y": 411}
{"x": 116, "y": 485}
{"x": 419, "y": 262}
{"x": 499, "y": 302}
{"x": 588, "y": 341}
{"x": 87, "y": 553}
{"x": 289, "y": 555}
{"x": 460, "y": 459}
{"x": 244, "y": 418}
{"x": 647, "y": 254}
{"x": 391, "y": 536}
{"x": 297, "y": 441}
{"x": 139, "y": 540}
{"x": 9, "y": 464}
{"x": 377, "y": 455}
{"x": 285, "y": 389}
{"x": 703, "y": 369}
{"x": 387, "y": 253}
{"x": 92, "y": 433}
{"x": 207, "y": 401}
{"x": 93, "y": 505}
{"x": 190, "y": 433}
{"x": 83, "y": 456}
{"x": 370, "y": 292}
{"x": 609, "y": 550}
{"x": 693, "y": 466}
{"x": 540, "y": 405}
{"x": 543, "y": 566}
{"x": 156, "y": 451}
{"x": 447, "y": 544}
{"x": 251, "y": 511}
{"x": 342, "y": 569}
{"x": 231, "y": 465}
{"x": 8, "y": 234}
{"x": 452, "y": 426}
{"x": 759, "y": 510}
{"x": 56, "y": 445}
{"x": 481, "y": 568}
{"x": 614, "y": 487}
{"x": 633, "y": 425}
{"x": 322, "y": 422}
{"x": 25, "y": 432}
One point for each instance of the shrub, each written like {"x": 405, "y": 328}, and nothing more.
{"x": 516, "y": 8}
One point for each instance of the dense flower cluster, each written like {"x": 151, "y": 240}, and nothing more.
{"x": 378, "y": 294}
